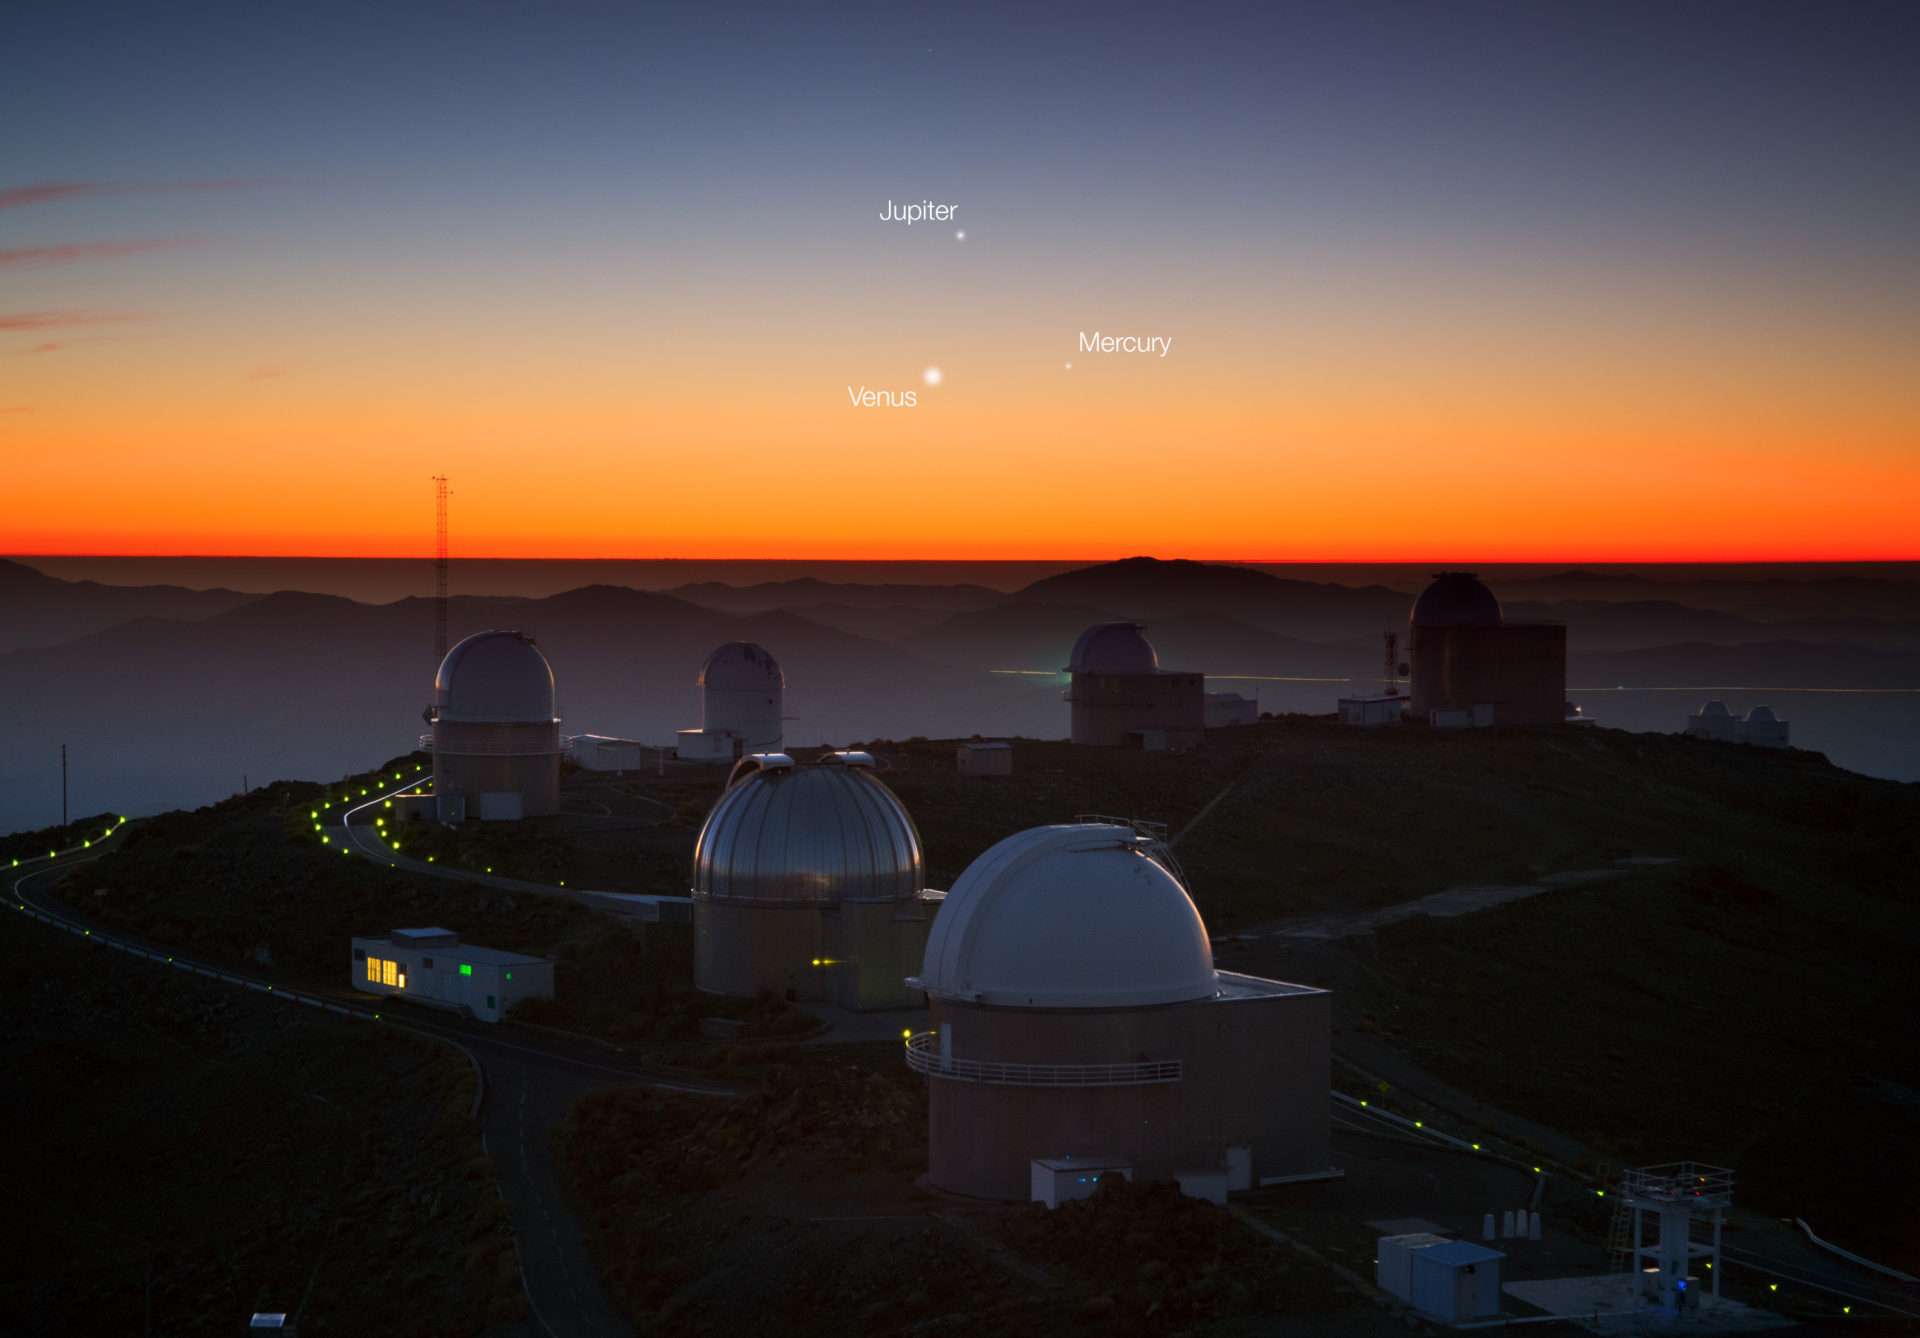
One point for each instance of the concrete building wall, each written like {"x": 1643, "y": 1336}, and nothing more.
{"x": 1106, "y": 707}
{"x": 1256, "y": 1073}
{"x": 875, "y": 946}
{"x": 1520, "y": 669}
{"x": 856, "y": 954}
{"x": 741, "y": 948}
{"x": 472, "y": 758}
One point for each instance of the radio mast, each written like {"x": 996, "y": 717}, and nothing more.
{"x": 439, "y": 568}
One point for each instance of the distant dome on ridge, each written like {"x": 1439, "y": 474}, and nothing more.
{"x": 1456, "y": 599}
{"x": 741, "y": 666}
{"x": 1113, "y": 648}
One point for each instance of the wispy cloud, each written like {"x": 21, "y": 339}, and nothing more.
{"x": 35, "y": 257}
{"x": 49, "y": 320}
{"x": 266, "y": 371}
{"x": 46, "y": 192}
{"x": 54, "y": 347}
{"x": 16, "y": 408}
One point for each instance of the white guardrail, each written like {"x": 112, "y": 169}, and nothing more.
{"x": 923, "y": 1056}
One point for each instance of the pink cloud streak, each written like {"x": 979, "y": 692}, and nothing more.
{"x": 47, "y": 320}
{"x": 46, "y": 192}
{"x": 36, "y": 257}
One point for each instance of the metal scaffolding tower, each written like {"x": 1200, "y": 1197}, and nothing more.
{"x": 439, "y": 568}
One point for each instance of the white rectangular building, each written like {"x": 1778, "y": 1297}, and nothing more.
{"x": 1058, "y": 1180}
{"x": 433, "y": 967}
{"x": 1369, "y": 712}
{"x": 984, "y": 759}
{"x": 1450, "y": 1280}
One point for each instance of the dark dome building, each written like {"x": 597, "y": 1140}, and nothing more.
{"x": 1121, "y": 697}
{"x": 808, "y": 882}
{"x": 496, "y": 735}
{"x": 1471, "y": 666}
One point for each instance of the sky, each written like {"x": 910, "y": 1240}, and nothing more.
{"x": 1477, "y": 282}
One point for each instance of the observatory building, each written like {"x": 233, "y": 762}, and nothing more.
{"x": 1762, "y": 727}
{"x": 1121, "y": 697}
{"x": 808, "y": 882}
{"x": 742, "y": 704}
{"x": 1077, "y": 1014}
{"x": 1712, "y": 721}
{"x": 1471, "y": 666}
{"x": 496, "y": 735}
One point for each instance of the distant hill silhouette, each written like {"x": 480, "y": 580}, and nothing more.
{"x": 806, "y": 592}
{"x": 161, "y": 713}
{"x": 1144, "y": 587}
{"x": 41, "y": 610}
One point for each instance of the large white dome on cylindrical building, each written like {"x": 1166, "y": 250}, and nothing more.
{"x": 1075, "y": 1010}
{"x": 742, "y": 705}
{"x": 1077, "y": 916}
{"x": 496, "y": 733}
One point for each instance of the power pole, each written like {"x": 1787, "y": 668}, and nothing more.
{"x": 439, "y": 568}
{"x": 63, "y": 785}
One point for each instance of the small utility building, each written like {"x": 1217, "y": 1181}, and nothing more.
{"x": 433, "y": 967}
{"x": 1451, "y": 1280}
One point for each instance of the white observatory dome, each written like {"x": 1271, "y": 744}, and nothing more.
{"x": 1762, "y": 715}
{"x": 1456, "y": 599}
{"x": 741, "y": 666}
{"x": 1113, "y": 648}
{"x": 1069, "y": 917}
{"x": 810, "y": 835}
{"x": 494, "y": 678}
{"x": 1716, "y": 708}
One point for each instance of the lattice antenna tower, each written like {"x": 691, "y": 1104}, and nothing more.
{"x": 439, "y": 568}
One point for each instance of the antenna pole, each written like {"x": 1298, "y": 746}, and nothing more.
{"x": 439, "y": 568}
{"x": 63, "y": 785}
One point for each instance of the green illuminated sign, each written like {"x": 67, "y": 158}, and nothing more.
{"x": 465, "y": 970}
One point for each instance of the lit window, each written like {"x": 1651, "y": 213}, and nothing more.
{"x": 389, "y": 973}
{"x": 373, "y": 969}
{"x": 465, "y": 970}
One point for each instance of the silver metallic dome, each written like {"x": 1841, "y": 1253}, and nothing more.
{"x": 1113, "y": 648}
{"x": 808, "y": 835}
{"x": 741, "y": 666}
{"x": 1456, "y": 599}
{"x": 494, "y": 677}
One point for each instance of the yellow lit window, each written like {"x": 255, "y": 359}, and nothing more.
{"x": 389, "y": 973}
{"x": 373, "y": 969}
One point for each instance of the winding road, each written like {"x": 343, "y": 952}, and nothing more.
{"x": 527, "y": 1084}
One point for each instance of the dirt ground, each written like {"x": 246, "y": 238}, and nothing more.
{"x": 200, "y": 1152}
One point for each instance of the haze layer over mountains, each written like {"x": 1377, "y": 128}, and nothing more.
{"x": 167, "y": 696}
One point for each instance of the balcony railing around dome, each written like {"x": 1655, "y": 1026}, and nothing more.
{"x": 923, "y": 1056}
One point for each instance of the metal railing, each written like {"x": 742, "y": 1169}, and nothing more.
{"x": 1680, "y": 1181}
{"x": 923, "y": 1057}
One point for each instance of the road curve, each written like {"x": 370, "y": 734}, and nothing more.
{"x": 527, "y": 1084}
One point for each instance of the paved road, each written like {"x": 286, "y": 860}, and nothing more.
{"x": 527, "y": 1084}
{"x": 354, "y": 830}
